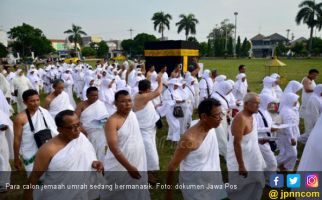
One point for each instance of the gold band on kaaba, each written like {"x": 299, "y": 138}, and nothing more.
{"x": 172, "y": 52}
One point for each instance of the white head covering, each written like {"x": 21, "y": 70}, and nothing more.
{"x": 275, "y": 76}
{"x": 220, "y": 78}
{"x": 231, "y": 82}
{"x": 4, "y": 106}
{"x": 187, "y": 75}
{"x": 224, "y": 88}
{"x": 153, "y": 79}
{"x": 18, "y": 71}
{"x": 120, "y": 85}
{"x": 293, "y": 87}
{"x": 289, "y": 100}
{"x": 265, "y": 100}
{"x": 318, "y": 90}
{"x": 172, "y": 82}
{"x": 240, "y": 76}
{"x": 189, "y": 80}
{"x": 268, "y": 82}
{"x": 206, "y": 74}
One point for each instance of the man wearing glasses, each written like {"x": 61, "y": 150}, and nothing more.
{"x": 69, "y": 151}
{"x": 197, "y": 154}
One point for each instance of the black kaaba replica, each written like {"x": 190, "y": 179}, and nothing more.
{"x": 170, "y": 53}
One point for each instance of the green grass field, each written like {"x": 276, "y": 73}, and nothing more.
{"x": 296, "y": 69}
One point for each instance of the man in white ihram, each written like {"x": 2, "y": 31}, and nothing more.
{"x": 69, "y": 151}
{"x": 312, "y": 112}
{"x": 93, "y": 115}
{"x": 125, "y": 161}
{"x": 24, "y": 141}
{"x": 147, "y": 117}
{"x": 57, "y": 100}
{"x": 244, "y": 155}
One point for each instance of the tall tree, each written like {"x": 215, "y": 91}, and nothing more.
{"x": 27, "y": 39}
{"x": 230, "y": 46}
{"x": 88, "y": 51}
{"x": 135, "y": 47}
{"x": 102, "y": 50}
{"x": 310, "y": 14}
{"x": 220, "y": 38}
{"x": 161, "y": 21}
{"x": 127, "y": 46}
{"x": 139, "y": 40}
{"x": 187, "y": 23}
{"x": 3, "y": 50}
{"x": 203, "y": 49}
{"x": 245, "y": 48}
{"x": 238, "y": 47}
{"x": 192, "y": 39}
{"x": 75, "y": 35}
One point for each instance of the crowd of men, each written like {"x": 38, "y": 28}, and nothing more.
{"x": 113, "y": 128}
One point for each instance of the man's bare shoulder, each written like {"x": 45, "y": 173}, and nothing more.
{"x": 21, "y": 118}
{"x": 306, "y": 81}
{"x": 113, "y": 119}
{"x": 240, "y": 117}
{"x": 188, "y": 139}
{"x": 51, "y": 147}
{"x": 81, "y": 105}
{"x": 49, "y": 97}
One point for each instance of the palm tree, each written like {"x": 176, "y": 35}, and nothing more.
{"x": 162, "y": 21}
{"x": 75, "y": 36}
{"x": 188, "y": 23}
{"x": 310, "y": 14}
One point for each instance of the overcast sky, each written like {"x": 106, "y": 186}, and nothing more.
{"x": 113, "y": 19}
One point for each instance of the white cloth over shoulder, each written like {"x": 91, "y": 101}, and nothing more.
{"x": 312, "y": 160}
{"x": 72, "y": 165}
{"x": 4, "y": 105}
{"x": 28, "y": 147}
{"x": 240, "y": 87}
{"x": 6, "y": 149}
{"x": 60, "y": 103}
{"x": 205, "y": 157}
{"x": 147, "y": 117}
{"x": 312, "y": 111}
{"x": 251, "y": 186}
{"x": 131, "y": 144}
{"x": 93, "y": 119}
{"x": 306, "y": 95}
{"x": 5, "y": 86}
{"x": 132, "y": 147}
{"x": 202, "y": 167}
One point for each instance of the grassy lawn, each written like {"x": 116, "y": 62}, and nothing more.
{"x": 296, "y": 69}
